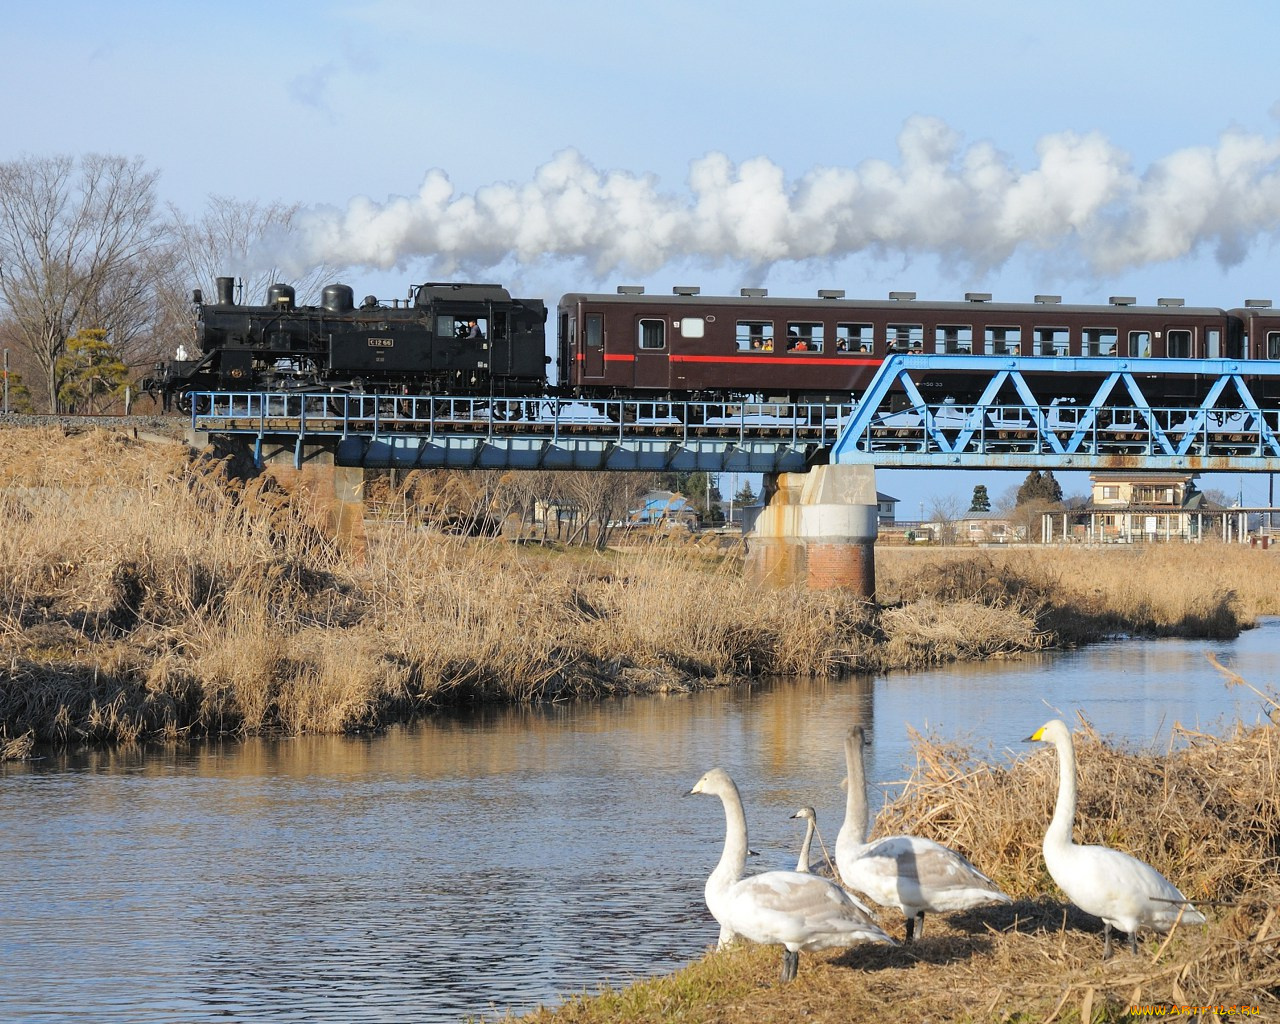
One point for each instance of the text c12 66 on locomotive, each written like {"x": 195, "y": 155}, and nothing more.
{"x": 462, "y": 339}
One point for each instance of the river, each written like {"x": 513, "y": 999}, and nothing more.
{"x": 487, "y": 862}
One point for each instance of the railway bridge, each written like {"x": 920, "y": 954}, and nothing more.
{"x": 819, "y": 460}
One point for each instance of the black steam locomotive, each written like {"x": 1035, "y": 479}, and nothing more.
{"x": 459, "y": 339}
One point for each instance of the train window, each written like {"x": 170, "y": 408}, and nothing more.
{"x": 1213, "y": 343}
{"x": 1179, "y": 345}
{"x": 1053, "y": 341}
{"x": 595, "y": 330}
{"x": 693, "y": 327}
{"x": 1140, "y": 343}
{"x": 755, "y": 334}
{"x": 953, "y": 339}
{"x": 1273, "y": 344}
{"x": 853, "y": 338}
{"x": 905, "y": 337}
{"x": 804, "y": 337}
{"x": 653, "y": 334}
{"x": 1100, "y": 341}
{"x": 450, "y": 326}
{"x": 1003, "y": 341}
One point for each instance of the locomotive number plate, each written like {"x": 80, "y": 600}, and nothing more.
{"x": 381, "y": 342}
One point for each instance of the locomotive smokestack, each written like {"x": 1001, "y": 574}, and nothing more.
{"x": 226, "y": 291}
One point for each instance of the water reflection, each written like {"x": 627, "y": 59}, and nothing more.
{"x": 482, "y": 862}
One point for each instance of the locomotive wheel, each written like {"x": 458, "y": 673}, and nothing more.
{"x": 187, "y": 403}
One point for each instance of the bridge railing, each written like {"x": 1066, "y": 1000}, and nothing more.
{"x": 429, "y": 415}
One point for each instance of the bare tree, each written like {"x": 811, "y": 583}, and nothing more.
{"x": 224, "y": 241}
{"x": 945, "y": 511}
{"x": 74, "y": 240}
{"x": 603, "y": 497}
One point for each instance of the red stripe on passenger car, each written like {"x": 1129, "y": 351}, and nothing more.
{"x": 788, "y": 360}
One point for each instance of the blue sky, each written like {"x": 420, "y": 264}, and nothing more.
{"x": 1087, "y": 149}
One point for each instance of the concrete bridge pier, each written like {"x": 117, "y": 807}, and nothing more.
{"x": 817, "y": 528}
{"x": 336, "y": 491}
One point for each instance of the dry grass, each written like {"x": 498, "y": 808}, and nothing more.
{"x": 144, "y": 592}
{"x": 1206, "y": 813}
{"x": 1155, "y": 589}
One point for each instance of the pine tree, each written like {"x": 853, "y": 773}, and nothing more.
{"x": 980, "y": 502}
{"x": 1039, "y": 487}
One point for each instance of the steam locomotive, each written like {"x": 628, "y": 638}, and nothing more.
{"x": 464, "y": 339}
{"x": 476, "y": 340}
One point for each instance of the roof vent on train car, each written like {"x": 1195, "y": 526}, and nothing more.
{"x": 902, "y": 296}
{"x": 630, "y": 289}
{"x": 753, "y": 293}
{"x": 686, "y": 289}
{"x": 1171, "y": 302}
{"x": 977, "y": 296}
{"x": 1257, "y": 303}
{"x": 1048, "y": 300}
{"x": 831, "y": 293}
{"x": 1123, "y": 300}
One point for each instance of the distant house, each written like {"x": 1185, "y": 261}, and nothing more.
{"x": 1138, "y": 507}
{"x": 886, "y": 509}
{"x": 663, "y": 507}
{"x": 1128, "y": 507}
{"x": 984, "y": 528}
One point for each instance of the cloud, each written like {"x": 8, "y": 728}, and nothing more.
{"x": 969, "y": 206}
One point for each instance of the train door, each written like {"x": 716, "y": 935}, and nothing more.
{"x": 652, "y": 352}
{"x": 591, "y": 345}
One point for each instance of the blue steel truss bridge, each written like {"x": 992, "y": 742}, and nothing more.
{"x": 1122, "y": 415}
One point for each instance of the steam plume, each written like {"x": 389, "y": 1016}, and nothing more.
{"x": 968, "y": 205}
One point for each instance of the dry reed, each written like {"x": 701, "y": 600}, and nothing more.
{"x": 147, "y": 592}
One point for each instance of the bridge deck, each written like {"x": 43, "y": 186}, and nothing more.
{"x": 1125, "y": 420}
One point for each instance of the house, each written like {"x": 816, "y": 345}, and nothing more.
{"x": 663, "y": 507}
{"x": 1130, "y": 507}
{"x": 984, "y": 528}
{"x": 886, "y": 509}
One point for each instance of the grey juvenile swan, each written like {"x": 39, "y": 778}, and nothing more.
{"x": 908, "y": 873}
{"x": 794, "y": 909}
{"x": 1125, "y": 892}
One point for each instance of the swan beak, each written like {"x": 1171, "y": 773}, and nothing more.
{"x": 1035, "y": 736}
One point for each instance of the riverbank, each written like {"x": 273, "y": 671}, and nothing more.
{"x": 147, "y": 593}
{"x": 1205, "y": 814}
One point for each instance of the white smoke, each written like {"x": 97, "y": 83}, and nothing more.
{"x": 969, "y": 206}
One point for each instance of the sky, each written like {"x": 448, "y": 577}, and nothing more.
{"x": 1087, "y": 150}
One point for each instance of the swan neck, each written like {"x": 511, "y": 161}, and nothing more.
{"x": 1064, "y": 811}
{"x": 733, "y": 859}
{"x": 802, "y": 862}
{"x": 854, "y": 829}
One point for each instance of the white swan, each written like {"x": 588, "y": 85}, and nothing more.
{"x": 810, "y": 818}
{"x": 790, "y": 908}
{"x": 908, "y": 873}
{"x": 1126, "y": 893}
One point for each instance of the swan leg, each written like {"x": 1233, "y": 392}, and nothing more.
{"x": 920, "y": 925}
{"x": 911, "y": 926}
{"x": 790, "y": 964}
{"x": 1133, "y": 942}
{"x": 1106, "y": 941}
